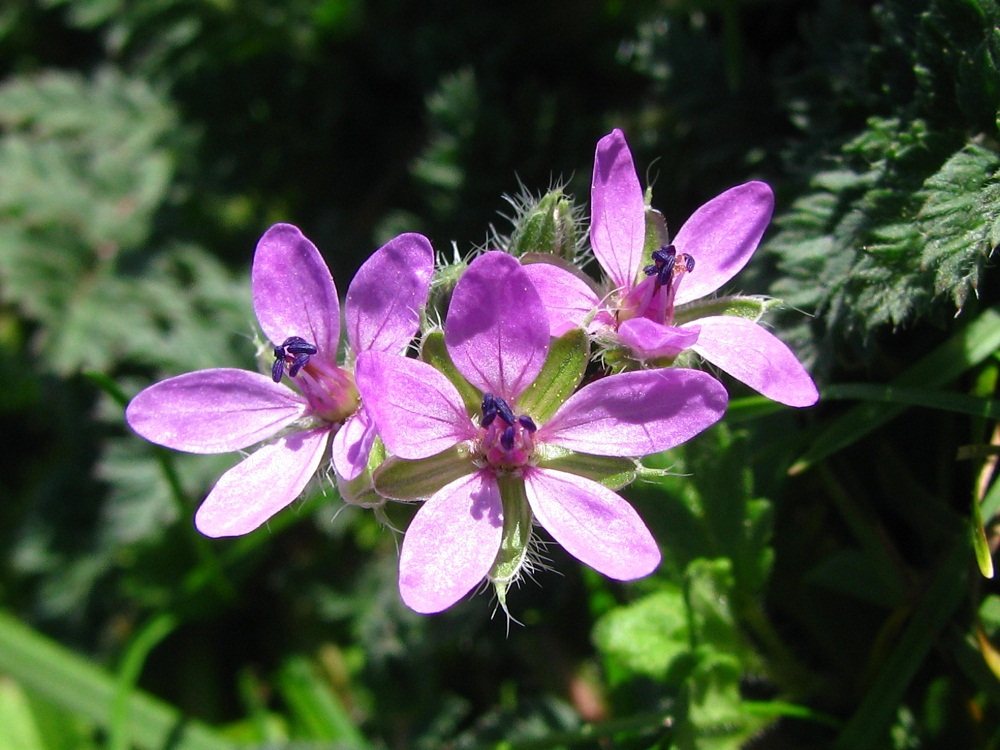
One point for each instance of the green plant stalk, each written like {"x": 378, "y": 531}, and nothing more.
{"x": 43, "y": 666}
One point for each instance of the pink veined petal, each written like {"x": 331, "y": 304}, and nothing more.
{"x": 213, "y": 411}
{"x": 650, "y": 340}
{"x": 754, "y": 356}
{"x": 721, "y": 236}
{"x": 247, "y": 495}
{"x": 592, "y": 523}
{"x": 497, "y": 332}
{"x": 567, "y": 299}
{"x": 451, "y": 544}
{"x": 352, "y": 444}
{"x": 637, "y": 413}
{"x": 382, "y": 309}
{"x": 416, "y": 409}
{"x": 618, "y": 212}
{"x": 293, "y": 292}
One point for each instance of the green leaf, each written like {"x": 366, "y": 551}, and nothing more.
{"x": 315, "y": 707}
{"x": 646, "y": 637}
{"x": 958, "y": 219}
{"x": 967, "y": 348}
{"x": 43, "y": 666}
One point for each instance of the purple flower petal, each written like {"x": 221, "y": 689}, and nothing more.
{"x": 567, "y": 299}
{"x": 382, "y": 309}
{"x": 293, "y": 292}
{"x": 637, "y": 413}
{"x": 451, "y": 544}
{"x": 756, "y": 357}
{"x": 592, "y": 523}
{"x": 497, "y": 332}
{"x": 352, "y": 444}
{"x": 213, "y": 411}
{"x": 650, "y": 340}
{"x": 721, "y": 236}
{"x": 416, "y": 409}
{"x": 247, "y": 495}
{"x": 618, "y": 212}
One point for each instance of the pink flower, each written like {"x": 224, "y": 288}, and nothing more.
{"x": 497, "y": 336}
{"x": 222, "y": 410}
{"x": 645, "y": 294}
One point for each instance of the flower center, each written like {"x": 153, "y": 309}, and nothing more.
{"x": 329, "y": 389}
{"x": 505, "y": 441}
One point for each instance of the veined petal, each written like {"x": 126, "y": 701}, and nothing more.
{"x": 416, "y": 409}
{"x": 650, "y": 340}
{"x": 451, "y": 543}
{"x": 618, "y": 213}
{"x": 753, "y": 355}
{"x": 247, "y": 495}
{"x": 721, "y": 236}
{"x": 567, "y": 299}
{"x": 497, "y": 332}
{"x": 382, "y": 309}
{"x": 213, "y": 411}
{"x": 352, "y": 444}
{"x": 293, "y": 292}
{"x": 592, "y": 523}
{"x": 637, "y": 413}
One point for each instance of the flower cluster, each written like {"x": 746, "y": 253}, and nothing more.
{"x": 530, "y": 406}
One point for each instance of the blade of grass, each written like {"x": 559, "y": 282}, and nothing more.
{"x": 964, "y": 350}
{"x": 869, "y": 726}
{"x": 45, "y": 667}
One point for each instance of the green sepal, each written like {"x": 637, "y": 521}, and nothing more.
{"x": 749, "y": 307}
{"x": 403, "y": 479}
{"x": 656, "y": 233}
{"x": 434, "y": 352}
{"x": 445, "y": 278}
{"x": 614, "y": 472}
{"x": 550, "y": 227}
{"x": 512, "y": 558}
{"x": 360, "y": 491}
{"x": 560, "y": 375}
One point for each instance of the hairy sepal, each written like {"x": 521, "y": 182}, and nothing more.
{"x": 560, "y": 375}
{"x": 402, "y": 479}
{"x": 512, "y": 559}
{"x": 434, "y": 352}
{"x": 748, "y": 307}
{"x": 614, "y": 472}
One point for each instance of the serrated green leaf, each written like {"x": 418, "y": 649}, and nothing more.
{"x": 645, "y": 637}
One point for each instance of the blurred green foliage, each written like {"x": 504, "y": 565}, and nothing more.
{"x": 144, "y": 146}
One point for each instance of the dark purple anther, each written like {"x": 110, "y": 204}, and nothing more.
{"x": 507, "y": 438}
{"x": 296, "y": 347}
{"x": 527, "y": 423}
{"x": 494, "y": 406}
{"x": 298, "y": 363}
{"x": 489, "y": 410}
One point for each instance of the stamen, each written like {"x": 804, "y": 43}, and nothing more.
{"x": 494, "y": 406}
{"x": 296, "y": 347}
{"x": 507, "y": 438}
{"x": 665, "y": 266}
{"x": 527, "y": 423}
